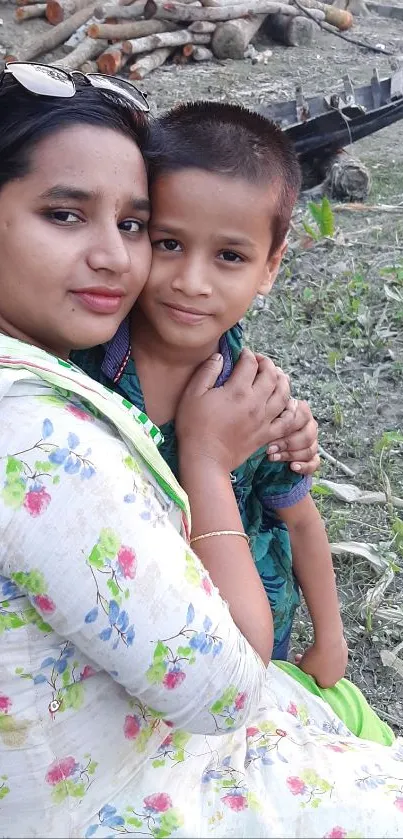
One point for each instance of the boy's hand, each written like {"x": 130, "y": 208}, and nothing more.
{"x": 299, "y": 445}
{"x": 325, "y": 662}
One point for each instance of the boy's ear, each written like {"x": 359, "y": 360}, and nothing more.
{"x": 272, "y": 268}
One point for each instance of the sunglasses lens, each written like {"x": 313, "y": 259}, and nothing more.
{"x": 121, "y": 88}
{"x": 42, "y": 80}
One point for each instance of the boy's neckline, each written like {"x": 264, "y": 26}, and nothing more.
{"x": 118, "y": 354}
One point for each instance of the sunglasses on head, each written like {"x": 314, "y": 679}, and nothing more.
{"x": 47, "y": 80}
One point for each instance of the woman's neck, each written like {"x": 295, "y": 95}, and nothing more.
{"x": 12, "y": 332}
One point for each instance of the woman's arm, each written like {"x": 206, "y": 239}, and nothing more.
{"x": 88, "y": 539}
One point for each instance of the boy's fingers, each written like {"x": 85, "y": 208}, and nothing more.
{"x": 305, "y": 441}
{"x": 305, "y": 467}
{"x": 243, "y": 376}
{"x": 206, "y": 375}
{"x": 268, "y": 383}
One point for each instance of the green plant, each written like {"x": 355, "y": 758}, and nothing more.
{"x": 323, "y": 217}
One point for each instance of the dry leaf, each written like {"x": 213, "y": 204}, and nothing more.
{"x": 366, "y": 551}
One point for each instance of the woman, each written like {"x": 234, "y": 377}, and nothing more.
{"x": 131, "y": 700}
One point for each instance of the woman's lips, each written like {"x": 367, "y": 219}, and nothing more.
{"x": 185, "y": 315}
{"x": 104, "y": 303}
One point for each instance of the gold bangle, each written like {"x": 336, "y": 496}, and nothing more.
{"x": 220, "y": 533}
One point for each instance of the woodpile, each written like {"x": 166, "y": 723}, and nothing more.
{"x": 141, "y": 35}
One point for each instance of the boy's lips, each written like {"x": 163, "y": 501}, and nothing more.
{"x": 183, "y": 314}
{"x": 104, "y": 301}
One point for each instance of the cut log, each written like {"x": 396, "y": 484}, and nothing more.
{"x": 79, "y": 35}
{"x": 147, "y": 63}
{"x": 58, "y": 10}
{"x": 291, "y": 31}
{"x": 336, "y": 17}
{"x": 110, "y": 10}
{"x": 202, "y": 27}
{"x": 202, "y": 54}
{"x": 215, "y": 3}
{"x": 112, "y": 60}
{"x": 27, "y": 12}
{"x": 136, "y": 46}
{"x": 200, "y": 38}
{"x": 20, "y": 2}
{"x": 231, "y": 39}
{"x": 130, "y": 29}
{"x": 169, "y": 10}
{"x": 89, "y": 67}
{"x": 86, "y": 51}
{"x": 346, "y": 178}
{"x": 52, "y": 38}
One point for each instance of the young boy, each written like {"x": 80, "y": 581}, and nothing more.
{"x": 222, "y": 193}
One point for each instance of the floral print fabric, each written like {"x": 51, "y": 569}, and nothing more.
{"x": 129, "y": 701}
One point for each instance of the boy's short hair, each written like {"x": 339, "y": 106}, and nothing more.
{"x": 230, "y": 140}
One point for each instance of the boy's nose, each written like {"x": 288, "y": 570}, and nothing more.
{"x": 193, "y": 279}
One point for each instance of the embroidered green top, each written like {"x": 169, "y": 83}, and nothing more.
{"x": 260, "y": 487}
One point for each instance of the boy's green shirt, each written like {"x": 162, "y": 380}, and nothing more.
{"x": 260, "y": 486}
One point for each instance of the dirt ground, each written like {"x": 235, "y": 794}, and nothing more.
{"x": 335, "y": 322}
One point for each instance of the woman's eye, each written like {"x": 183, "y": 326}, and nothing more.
{"x": 230, "y": 256}
{"x": 168, "y": 245}
{"x": 64, "y": 217}
{"x": 131, "y": 225}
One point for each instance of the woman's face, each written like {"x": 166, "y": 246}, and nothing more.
{"x": 74, "y": 246}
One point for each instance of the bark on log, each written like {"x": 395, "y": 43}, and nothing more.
{"x": 27, "y": 12}
{"x": 89, "y": 67}
{"x": 86, "y": 51}
{"x": 291, "y": 31}
{"x": 110, "y": 10}
{"x": 112, "y": 60}
{"x": 131, "y": 29}
{"x": 19, "y": 2}
{"x": 201, "y": 38}
{"x": 54, "y": 37}
{"x": 230, "y": 39}
{"x": 202, "y": 54}
{"x": 148, "y": 63}
{"x": 58, "y": 10}
{"x": 215, "y": 3}
{"x": 202, "y": 27}
{"x": 136, "y": 46}
{"x": 169, "y": 10}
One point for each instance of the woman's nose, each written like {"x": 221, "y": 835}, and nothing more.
{"x": 110, "y": 252}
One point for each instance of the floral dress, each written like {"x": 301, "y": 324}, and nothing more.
{"x": 130, "y": 704}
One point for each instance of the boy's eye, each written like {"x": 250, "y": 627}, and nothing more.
{"x": 66, "y": 217}
{"x": 168, "y": 245}
{"x": 230, "y": 256}
{"x": 131, "y": 225}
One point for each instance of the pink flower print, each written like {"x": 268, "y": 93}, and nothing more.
{"x": 5, "y": 704}
{"x": 160, "y": 802}
{"x": 280, "y": 732}
{"x": 36, "y": 501}
{"x": 60, "y": 770}
{"x": 44, "y": 604}
{"x": 167, "y": 742}
{"x": 131, "y": 727}
{"x": 292, "y": 709}
{"x": 79, "y": 413}
{"x": 399, "y": 803}
{"x": 336, "y": 833}
{"x": 127, "y": 562}
{"x": 296, "y": 785}
{"x": 235, "y": 802}
{"x": 240, "y": 701}
{"x": 251, "y": 732}
{"x": 207, "y": 586}
{"x": 336, "y": 747}
{"x": 87, "y": 672}
{"x": 173, "y": 679}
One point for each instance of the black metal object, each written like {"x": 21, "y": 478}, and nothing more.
{"x": 322, "y": 125}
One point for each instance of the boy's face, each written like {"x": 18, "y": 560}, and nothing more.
{"x": 211, "y": 238}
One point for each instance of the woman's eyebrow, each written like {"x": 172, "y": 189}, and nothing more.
{"x": 61, "y": 193}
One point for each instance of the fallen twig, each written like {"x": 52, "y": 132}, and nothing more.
{"x": 367, "y": 208}
{"x": 342, "y": 466}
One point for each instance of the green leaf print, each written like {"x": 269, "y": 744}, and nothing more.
{"x": 59, "y": 793}
{"x": 157, "y": 763}
{"x": 76, "y": 789}
{"x": 13, "y": 467}
{"x": 13, "y": 493}
{"x": 160, "y": 653}
{"x": 108, "y": 542}
{"x": 96, "y": 558}
{"x": 92, "y": 767}
{"x": 11, "y": 620}
{"x": 74, "y": 696}
{"x": 113, "y": 588}
{"x": 4, "y": 790}
{"x": 134, "y": 822}
{"x": 156, "y": 673}
{"x": 171, "y": 820}
{"x": 192, "y": 571}
{"x": 32, "y": 616}
{"x": 32, "y": 582}
{"x": 143, "y": 738}
{"x": 180, "y": 739}
{"x": 131, "y": 464}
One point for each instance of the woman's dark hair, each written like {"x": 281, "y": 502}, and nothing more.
{"x": 26, "y": 119}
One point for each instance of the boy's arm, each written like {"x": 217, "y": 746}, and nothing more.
{"x": 326, "y": 659}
